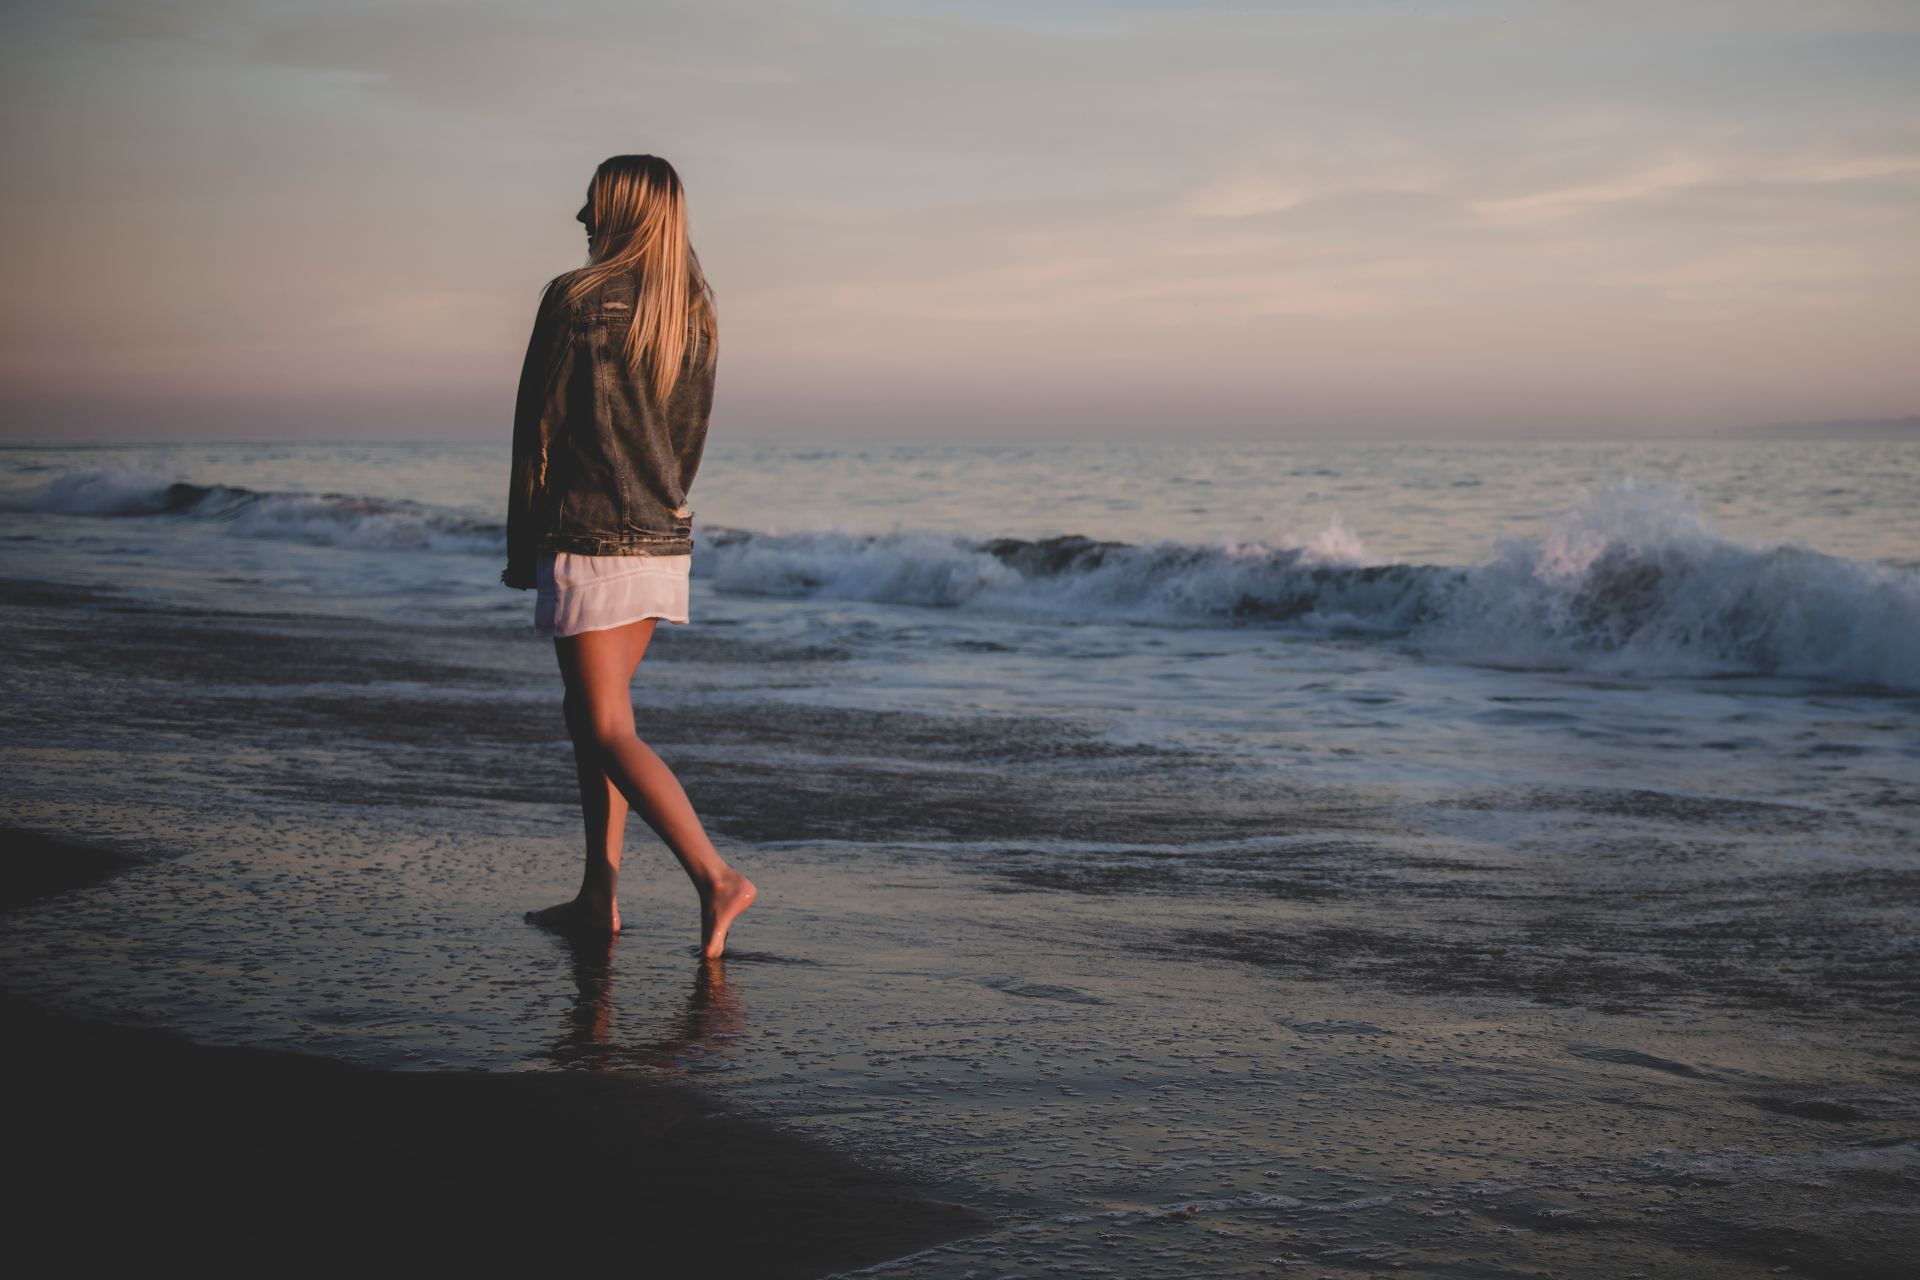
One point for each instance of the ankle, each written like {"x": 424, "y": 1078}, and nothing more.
{"x": 730, "y": 881}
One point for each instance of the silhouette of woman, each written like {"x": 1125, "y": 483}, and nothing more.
{"x": 609, "y": 426}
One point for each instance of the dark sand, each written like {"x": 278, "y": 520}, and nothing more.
{"x": 33, "y": 867}
{"x": 136, "y": 1146}
{"x": 1643, "y": 1022}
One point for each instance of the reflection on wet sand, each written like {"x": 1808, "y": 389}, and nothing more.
{"x": 693, "y": 1038}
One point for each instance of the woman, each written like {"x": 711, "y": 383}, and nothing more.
{"x": 607, "y": 433}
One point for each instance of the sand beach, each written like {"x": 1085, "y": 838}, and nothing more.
{"x": 1086, "y": 946}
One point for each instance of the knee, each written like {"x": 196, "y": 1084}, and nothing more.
{"x": 602, "y": 732}
{"x": 607, "y": 734}
{"x": 596, "y": 727}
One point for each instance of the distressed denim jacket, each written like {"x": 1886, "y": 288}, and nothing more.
{"x": 600, "y": 466}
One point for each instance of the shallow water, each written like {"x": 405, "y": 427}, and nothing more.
{"x": 1192, "y": 942}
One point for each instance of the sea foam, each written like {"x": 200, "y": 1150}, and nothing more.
{"x": 323, "y": 519}
{"x": 1633, "y": 581}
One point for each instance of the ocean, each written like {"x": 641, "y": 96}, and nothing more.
{"x": 1439, "y": 858}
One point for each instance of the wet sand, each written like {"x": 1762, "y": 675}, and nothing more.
{"x": 139, "y": 1148}
{"x": 1153, "y": 1009}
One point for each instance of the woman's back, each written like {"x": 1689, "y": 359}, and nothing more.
{"x": 621, "y": 459}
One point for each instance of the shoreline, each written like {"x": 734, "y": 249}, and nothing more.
{"x": 139, "y": 1144}
{"x": 1446, "y": 971}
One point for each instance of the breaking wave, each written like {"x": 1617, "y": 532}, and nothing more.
{"x": 1633, "y": 582}
{"x": 317, "y": 519}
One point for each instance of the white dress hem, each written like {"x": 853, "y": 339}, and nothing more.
{"x": 575, "y": 593}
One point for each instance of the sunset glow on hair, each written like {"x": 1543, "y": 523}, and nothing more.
{"x": 639, "y": 211}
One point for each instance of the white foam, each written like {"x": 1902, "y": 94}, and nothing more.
{"x": 115, "y": 489}
{"x": 1632, "y": 581}
{"x": 364, "y": 523}
{"x": 340, "y": 520}
{"x": 1635, "y": 581}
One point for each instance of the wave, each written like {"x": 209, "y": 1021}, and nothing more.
{"x": 1634, "y": 581}
{"x": 317, "y": 519}
{"x": 1637, "y": 582}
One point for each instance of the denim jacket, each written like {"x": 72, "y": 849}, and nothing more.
{"x": 600, "y": 466}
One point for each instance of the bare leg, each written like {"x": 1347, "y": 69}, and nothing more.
{"x": 598, "y": 668}
{"x": 603, "y": 810}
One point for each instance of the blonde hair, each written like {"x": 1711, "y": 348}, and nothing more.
{"x": 639, "y": 226}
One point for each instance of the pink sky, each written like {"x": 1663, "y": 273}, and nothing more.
{"x": 319, "y": 221}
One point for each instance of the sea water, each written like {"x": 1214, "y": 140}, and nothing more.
{"x": 1209, "y": 856}
{"x": 1728, "y": 557}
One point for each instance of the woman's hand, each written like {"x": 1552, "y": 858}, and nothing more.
{"x": 518, "y": 575}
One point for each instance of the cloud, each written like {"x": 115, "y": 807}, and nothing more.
{"x": 1661, "y": 179}
{"x": 1392, "y": 207}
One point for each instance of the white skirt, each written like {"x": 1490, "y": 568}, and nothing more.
{"x": 575, "y": 593}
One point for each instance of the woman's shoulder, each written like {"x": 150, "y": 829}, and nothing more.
{"x": 579, "y": 289}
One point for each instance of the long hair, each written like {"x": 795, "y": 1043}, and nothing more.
{"x": 639, "y": 226}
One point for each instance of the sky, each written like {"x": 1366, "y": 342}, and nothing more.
{"x": 331, "y": 219}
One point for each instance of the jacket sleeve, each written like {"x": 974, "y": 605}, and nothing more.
{"x": 533, "y": 425}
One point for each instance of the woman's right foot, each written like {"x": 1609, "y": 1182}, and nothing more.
{"x": 718, "y": 907}
{"x": 580, "y": 915}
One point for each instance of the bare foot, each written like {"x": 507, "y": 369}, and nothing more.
{"x": 580, "y": 915}
{"x": 718, "y": 907}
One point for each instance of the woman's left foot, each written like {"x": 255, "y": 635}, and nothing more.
{"x": 578, "y": 916}
{"x": 718, "y": 907}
